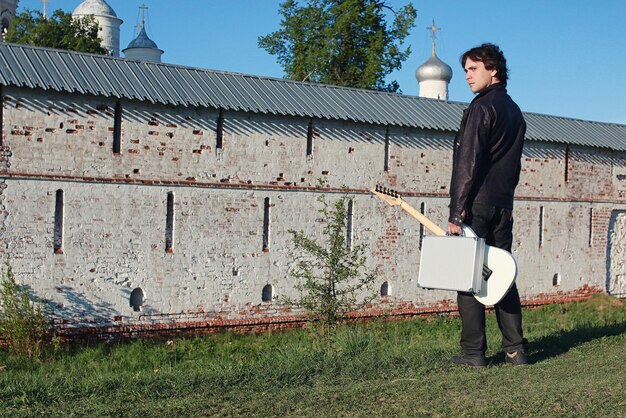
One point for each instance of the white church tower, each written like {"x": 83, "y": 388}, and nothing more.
{"x": 434, "y": 75}
{"x": 107, "y": 20}
{"x": 143, "y": 48}
{"x": 7, "y": 11}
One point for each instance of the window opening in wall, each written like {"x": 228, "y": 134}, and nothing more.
{"x": 1, "y": 117}
{"x": 220, "y": 130}
{"x": 567, "y": 163}
{"x": 309, "y": 138}
{"x": 556, "y": 279}
{"x": 266, "y": 224}
{"x": 349, "y": 227}
{"x": 387, "y": 146}
{"x": 385, "y": 289}
{"x": 117, "y": 128}
{"x": 169, "y": 224}
{"x": 541, "y": 220}
{"x": 137, "y": 298}
{"x": 267, "y": 293}
{"x": 590, "y": 226}
{"x": 422, "y": 209}
{"x": 59, "y": 209}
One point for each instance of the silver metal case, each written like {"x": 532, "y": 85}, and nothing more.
{"x": 452, "y": 263}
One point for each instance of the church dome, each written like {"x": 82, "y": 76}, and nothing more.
{"x": 143, "y": 48}
{"x": 433, "y": 69}
{"x": 142, "y": 41}
{"x": 94, "y": 7}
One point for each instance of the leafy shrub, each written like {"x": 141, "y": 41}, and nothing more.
{"x": 23, "y": 324}
{"x": 330, "y": 273}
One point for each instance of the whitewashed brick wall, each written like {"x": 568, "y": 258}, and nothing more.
{"x": 115, "y": 206}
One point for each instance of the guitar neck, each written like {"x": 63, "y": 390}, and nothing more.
{"x": 431, "y": 226}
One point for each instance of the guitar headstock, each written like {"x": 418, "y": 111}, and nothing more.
{"x": 388, "y": 195}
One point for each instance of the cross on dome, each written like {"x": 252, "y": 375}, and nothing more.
{"x": 433, "y": 29}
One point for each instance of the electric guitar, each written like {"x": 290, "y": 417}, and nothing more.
{"x": 500, "y": 268}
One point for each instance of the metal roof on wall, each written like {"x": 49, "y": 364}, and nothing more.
{"x": 64, "y": 71}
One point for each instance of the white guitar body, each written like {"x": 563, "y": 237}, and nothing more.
{"x": 504, "y": 271}
{"x": 501, "y": 263}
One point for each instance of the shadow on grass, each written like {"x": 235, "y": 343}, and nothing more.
{"x": 561, "y": 342}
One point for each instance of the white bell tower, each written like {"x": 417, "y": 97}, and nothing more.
{"x": 107, "y": 20}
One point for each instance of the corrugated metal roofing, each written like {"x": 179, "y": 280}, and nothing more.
{"x": 49, "y": 69}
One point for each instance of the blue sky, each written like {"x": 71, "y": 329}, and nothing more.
{"x": 566, "y": 57}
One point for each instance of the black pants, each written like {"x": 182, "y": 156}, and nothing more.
{"x": 496, "y": 226}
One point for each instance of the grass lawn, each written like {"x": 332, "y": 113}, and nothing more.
{"x": 577, "y": 353}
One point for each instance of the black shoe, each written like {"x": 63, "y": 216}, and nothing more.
{"x": 472, "y": 361}
{"x": 516, "y": 358}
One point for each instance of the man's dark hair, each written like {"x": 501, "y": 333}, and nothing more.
{"x": 492, "y": 57}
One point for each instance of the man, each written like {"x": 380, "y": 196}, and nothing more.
{"x": 486, "y": 169}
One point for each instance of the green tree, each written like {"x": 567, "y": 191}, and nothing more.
{"x": 330, "y": 273}
{"x": 60, "y": 31}
{"x": 341, "y": 42}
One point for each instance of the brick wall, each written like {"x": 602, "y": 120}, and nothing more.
{"x": 115, "y": 227}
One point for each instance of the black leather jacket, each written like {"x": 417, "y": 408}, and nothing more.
{"x": 487, "y": 153}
